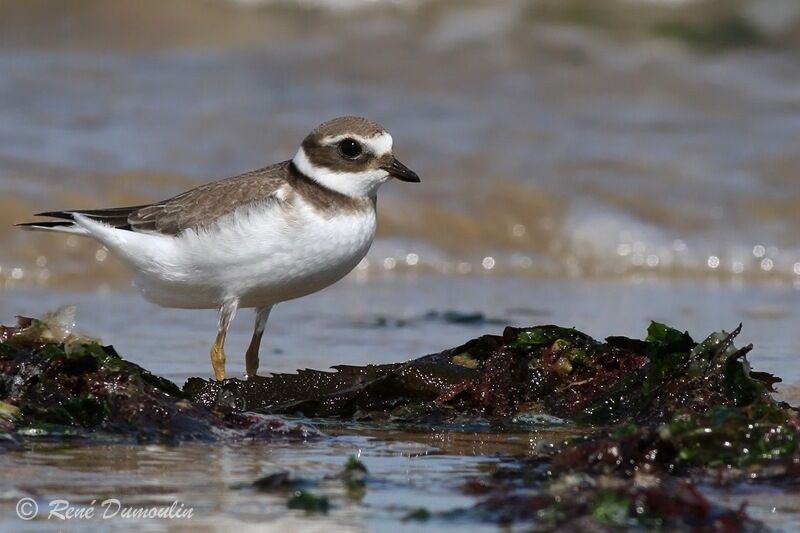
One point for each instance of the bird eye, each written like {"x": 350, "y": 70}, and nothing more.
{"x": 350, "y": 148}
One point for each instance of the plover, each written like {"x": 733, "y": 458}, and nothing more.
{"x": 257, "y": 239}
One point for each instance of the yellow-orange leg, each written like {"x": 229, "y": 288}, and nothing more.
{"x": 218, "y": 356}
{"x": 226, "y": 314}
{"x": 251, "y": 356}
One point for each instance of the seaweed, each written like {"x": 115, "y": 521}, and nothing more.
{"x": 723, "y": 33}
{"x": 308, "y": 502}
{"x": 418, "y": 515}
{"x": 603, "y": 504}
{"x": 300, "y": 490}
{"x": 354, "y": 478}
{"x": 639, "y": 477}
{"x": 547, "y": 371}
{"x": 55, "y": 384}
{"x": 665, "y": 416}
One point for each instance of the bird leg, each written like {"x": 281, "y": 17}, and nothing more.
{"x": 251, "y": 357}
{"x": 226, "y": 314}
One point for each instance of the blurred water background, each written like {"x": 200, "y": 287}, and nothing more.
{"x": 587, "y": 163}
{"x": 558, "y": 138}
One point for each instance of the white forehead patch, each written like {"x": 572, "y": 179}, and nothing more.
{"x": 380, "y": 144}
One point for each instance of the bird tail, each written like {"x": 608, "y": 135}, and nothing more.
{"x": 116, "y": 217}
{"x": 67, "y": 225}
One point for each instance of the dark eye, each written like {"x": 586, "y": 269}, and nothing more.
{"x": 350, "y": 148}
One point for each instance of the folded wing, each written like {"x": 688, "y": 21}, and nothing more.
{"x": 193, "y": 209}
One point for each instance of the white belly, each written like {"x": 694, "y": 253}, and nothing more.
{"x": 261, "y": 257}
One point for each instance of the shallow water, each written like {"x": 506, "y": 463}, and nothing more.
{"x": 578, "y": 171}
{"x": 387, "y": 319}
{"x": 406, "y": 472}
{"x": 202, "y": 478}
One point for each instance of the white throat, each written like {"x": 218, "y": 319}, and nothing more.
{"x": 355, "y": 184}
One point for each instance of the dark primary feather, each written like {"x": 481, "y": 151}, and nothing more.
{"x": 46, "y": 224}
{"x": 193, "y": 209}
{"x": 116, "y": 216}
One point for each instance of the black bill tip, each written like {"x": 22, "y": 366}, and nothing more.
{"x": 398, "y": 170}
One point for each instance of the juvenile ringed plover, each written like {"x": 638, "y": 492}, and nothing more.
{"x": 257, "y": 239}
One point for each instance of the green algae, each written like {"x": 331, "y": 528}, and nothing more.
{"x": 308, "y": 502}
{"x": 759, "y": 434}
{"x": 301, "y": 493}
{"x": 9, "y": 413}
{"x": 354, "y": 478}
{"x": 465, "y": 360}
{"x": 722, "y": 33}
{"x": 611, "y": 508}
{"x": 547, "y": 335}
{"x": 278, "y": 481}
{"x": 648, "y": 476}
{"x": 418, "y": 515}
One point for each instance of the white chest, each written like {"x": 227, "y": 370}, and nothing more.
{"x": 276, "y": 253}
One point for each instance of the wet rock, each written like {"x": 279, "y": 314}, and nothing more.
{"x": 545, "y": 370}
{"x": 644, "y": 476}
{"x": 448, "y": 316}
{"x": 452, "y": 316}
{"x": 55, "y": 384}
{"x": 8, "y": 442}
{"x": 756, "y": 443}
{"x": 277, "y": 482}
{"x": 418, "y": 515}
{"x": 605, "y": 504}
{"x": 370, "y": 391}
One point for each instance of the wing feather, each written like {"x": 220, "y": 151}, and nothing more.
{"x": 196, "y": 208}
